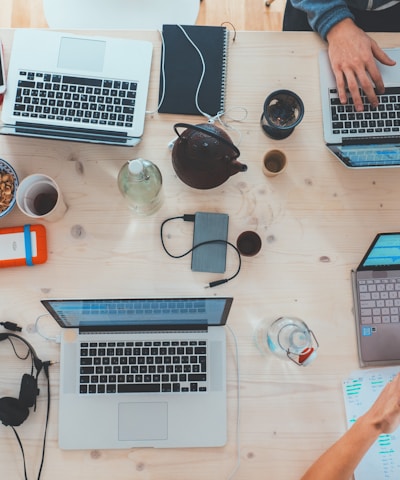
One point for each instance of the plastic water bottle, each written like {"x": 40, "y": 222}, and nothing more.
{"x": 140, "y": 182}
{"x": 288, "y": 338}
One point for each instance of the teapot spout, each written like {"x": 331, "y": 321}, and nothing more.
{"x": 237, "y": 167}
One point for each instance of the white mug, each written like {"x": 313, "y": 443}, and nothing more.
{"x": 38, "y": 196}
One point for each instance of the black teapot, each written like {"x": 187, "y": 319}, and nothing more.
{"x": 204, "y": 156}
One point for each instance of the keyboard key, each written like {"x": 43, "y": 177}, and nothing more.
{"x": 139, "y": 388}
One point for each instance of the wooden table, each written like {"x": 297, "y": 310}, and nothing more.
{"x": 315, "y": 220}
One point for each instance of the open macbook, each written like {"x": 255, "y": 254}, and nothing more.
{"x": 77, "y": 87}
{"x": 142, "y": 372}
{"x": 363, "y": 139}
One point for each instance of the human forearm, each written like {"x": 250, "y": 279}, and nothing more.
{"x": 323, "y": 14}
{"x": 340, "y": 460}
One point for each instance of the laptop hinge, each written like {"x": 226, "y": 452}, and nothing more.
{"x": 143, "y": 329}
{"x": 369, "y": 140}
{"x": 69, "y": 133}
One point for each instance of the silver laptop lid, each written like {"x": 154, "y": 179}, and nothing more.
{"x": 77, "y": 87}
{"x": 134, "y": 314}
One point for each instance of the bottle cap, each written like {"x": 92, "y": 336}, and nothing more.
{"x": 135, "y": 166}
{"x": 307, "y": 356}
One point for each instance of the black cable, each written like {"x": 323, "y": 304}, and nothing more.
{"x": 190, "y": 218}
{"x": 17, "y": 354}
{"x": 35, "y": 359}
{"x": 22, "y": 451}
{"x": 46, "y": 372}
{"x": 11, "y": 326}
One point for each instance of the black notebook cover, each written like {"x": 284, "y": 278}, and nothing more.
{"x": 183, "y": 69}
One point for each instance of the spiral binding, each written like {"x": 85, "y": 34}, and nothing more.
{"x": 224, "y": 69}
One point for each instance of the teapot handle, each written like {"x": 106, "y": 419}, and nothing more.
{"x": 207, "y": 132}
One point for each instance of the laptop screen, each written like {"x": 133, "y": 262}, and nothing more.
{"x": 384, "y": 253}
{"x": 139, "y": 313}
{"x": 362, "y": 155}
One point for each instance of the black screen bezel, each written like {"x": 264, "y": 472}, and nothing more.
{"x": 377, "y": 267}
{"x": 138, "y": 327}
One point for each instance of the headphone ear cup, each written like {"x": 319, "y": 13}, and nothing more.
{"x": 28, "y": 391}
{"x": 12, "y": 412}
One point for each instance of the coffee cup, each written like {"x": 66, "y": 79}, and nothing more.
{"x": 248, "y": 243}
{"x": 38, "y": 196}
{"x": 274, "y": 162}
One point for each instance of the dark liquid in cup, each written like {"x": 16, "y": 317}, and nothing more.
{"x": 45, "y": 202}
{"x": 274, "y": 165}
{"x": 249, "y": 243}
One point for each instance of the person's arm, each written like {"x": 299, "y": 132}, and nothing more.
{"x": 322, "y": 15}
{"x": 341, "y": 459}
{"x": 352, "y": 54}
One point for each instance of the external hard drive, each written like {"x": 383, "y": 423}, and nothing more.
{"x": 25, "y": 245}
{"x": 208, "y": 227}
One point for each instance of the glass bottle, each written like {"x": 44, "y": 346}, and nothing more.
{"x": 140, "y": 182}
{"x": 288, "y": 338}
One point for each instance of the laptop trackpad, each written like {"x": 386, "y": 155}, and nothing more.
{"x": 143, "y": 421}
{"x": 81, "y": 54}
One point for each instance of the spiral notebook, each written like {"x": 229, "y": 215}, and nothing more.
{"x": 183, "y": 68}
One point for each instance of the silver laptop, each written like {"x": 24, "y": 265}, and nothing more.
{"x": 142, "y": 372}
{"x": 376, "y": 291}
{"x": 77, "y": 87}
{"x": 363, "y": 139}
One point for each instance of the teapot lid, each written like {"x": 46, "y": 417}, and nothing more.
{"x": 208, "y": 129}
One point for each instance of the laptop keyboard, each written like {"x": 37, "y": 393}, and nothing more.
{"x": 77, "y": 100}
{"x": 384, "y": 119}
{"x": 149, "y": 366}
{"x": 379, "y": 300}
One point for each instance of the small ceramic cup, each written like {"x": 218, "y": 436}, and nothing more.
{"x": 248, "y": 243}
{"x": 274, "y": 163}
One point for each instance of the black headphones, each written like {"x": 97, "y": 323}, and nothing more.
{"x": 14, "y": 411}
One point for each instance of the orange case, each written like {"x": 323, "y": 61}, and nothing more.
{"x": 41, "y": 246}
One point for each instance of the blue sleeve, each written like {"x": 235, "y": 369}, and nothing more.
{"x": 323, "y": 14}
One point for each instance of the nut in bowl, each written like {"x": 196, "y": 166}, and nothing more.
{"x": 8, "y": 187}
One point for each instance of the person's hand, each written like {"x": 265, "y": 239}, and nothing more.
{"x": 385, "y": 412}
{"x": 342, "y": 458}
{"x": 352, "y": 54}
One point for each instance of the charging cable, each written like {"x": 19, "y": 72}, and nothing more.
{"x": 56, "y": 339}
{"x": 190, "y": 218}
{"x": 203, "y": 72}
{"x": 13, "y": 327}
{"x": 236, "y": 468}
{"x": 211, "y": 119}
{"x": 162, "y": 96}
